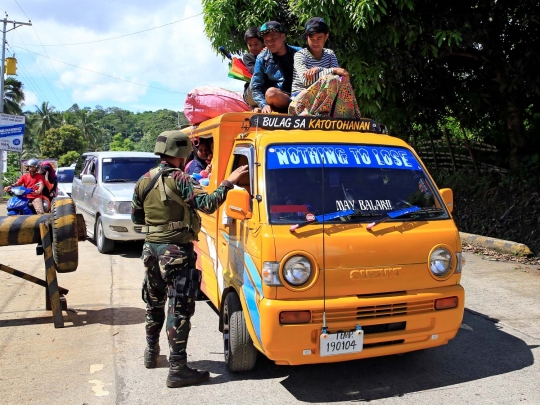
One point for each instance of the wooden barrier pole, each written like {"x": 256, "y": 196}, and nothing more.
{"x": 52, "y": 295}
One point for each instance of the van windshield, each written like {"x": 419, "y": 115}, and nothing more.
{"x": 310, "y": 180}
{"x": 126, "y": 169}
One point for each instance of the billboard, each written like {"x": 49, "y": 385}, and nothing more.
{"x": 11, "y": 132}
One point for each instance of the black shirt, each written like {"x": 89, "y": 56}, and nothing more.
{"x": 286, "y": 64}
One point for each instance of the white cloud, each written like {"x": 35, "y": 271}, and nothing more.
{"x": 175, "y": 58}
{"x": 30, "y": 99}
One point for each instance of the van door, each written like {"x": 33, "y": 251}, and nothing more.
{"x": 87, "y": 193}
{"x": 237, "y": 252}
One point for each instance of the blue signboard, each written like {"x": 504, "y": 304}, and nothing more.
{"x": 332, "y": 155}
{"x": 11, "y": 132}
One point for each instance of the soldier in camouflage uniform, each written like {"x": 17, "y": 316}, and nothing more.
{"x": 165, "y": 201}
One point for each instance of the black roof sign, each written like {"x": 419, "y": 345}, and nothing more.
{"x": 307, "y": 123}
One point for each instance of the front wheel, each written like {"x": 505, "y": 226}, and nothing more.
{"x": 103, "y": 244}
{"x": 240, "y": 354}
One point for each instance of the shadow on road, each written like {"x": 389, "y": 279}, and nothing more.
{"x": 82, "y": 317}
{"x": 481, "y": 349}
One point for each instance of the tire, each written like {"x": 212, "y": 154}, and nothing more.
{"x": 240, "y": 354}
{"x": 64, "y": 234}
{"x": 103, "y": 244}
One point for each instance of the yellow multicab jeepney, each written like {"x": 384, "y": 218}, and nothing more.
{"x": 337, "y": 246}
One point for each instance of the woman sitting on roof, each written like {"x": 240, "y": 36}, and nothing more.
{"x": 320, "y": 87}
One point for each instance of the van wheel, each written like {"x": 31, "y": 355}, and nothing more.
{"x": 65, "y": 235}
{"x": 103, "y": 244}
{"x": 240, "y": 354}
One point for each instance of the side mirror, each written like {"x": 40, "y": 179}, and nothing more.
{"x": 237, "y": 204}
{"x": 448, "y": 198}
{"x": 88, "y": 180}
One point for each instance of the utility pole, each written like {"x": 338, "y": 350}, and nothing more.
{"x": 16, "y": 24}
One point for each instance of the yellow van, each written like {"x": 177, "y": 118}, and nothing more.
{"x": 338, "y": 246}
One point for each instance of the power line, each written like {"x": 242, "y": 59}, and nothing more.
{"x": 103, "y": 74}
{"x": 46, "y": 81}
{"x": 121, "y": 36}
{"x": 39, "y": 39}
{"x": 30, "y": 81}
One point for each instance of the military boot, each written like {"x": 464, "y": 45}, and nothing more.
{"x": 151, "y": 352}
{"x": 180, "y": 375}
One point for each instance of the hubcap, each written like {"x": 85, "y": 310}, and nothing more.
{"x": 100, "y": 235}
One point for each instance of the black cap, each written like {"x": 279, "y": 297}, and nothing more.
{"x": 316, "y": 25}
{"x": 271, "y": 26}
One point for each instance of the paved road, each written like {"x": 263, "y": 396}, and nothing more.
{"x": 97, "y": 357}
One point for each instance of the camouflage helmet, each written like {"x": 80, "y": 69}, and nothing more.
{"x": 173, "y": 143}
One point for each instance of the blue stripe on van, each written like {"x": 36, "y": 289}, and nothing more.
{"x": 250, "y": 295}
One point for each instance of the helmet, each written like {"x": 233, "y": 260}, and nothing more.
{"x": 173, "y": 143}
{"x": 32, "y": 162}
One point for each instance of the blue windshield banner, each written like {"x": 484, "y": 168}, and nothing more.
{"x": 350, "y": 156}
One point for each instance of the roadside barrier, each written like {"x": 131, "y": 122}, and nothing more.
{"x": 57, "y": 235}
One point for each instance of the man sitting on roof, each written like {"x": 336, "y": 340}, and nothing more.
{"x": 272, "y": 77}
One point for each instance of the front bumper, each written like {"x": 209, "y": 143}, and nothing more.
{"x": 421, "y": 325}
{"x": 121, "y": 220}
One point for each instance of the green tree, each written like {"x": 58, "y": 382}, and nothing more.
{"x": 45, "y": 119}
{"x": 68, "y": 158}
{"x": 13, "y": 96}
{"x": 89, "y": 128}
{"x": 120, "y": 144}
{"x": 415, "y": 63}
{"x": 58, "y": 141}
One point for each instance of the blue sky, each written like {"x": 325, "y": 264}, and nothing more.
{"x": 158, "y": 67}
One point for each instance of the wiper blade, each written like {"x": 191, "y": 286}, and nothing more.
{"x": 117, "y": 180}
{"x": 323, "y": 218}
{"x": 394, "y": 214}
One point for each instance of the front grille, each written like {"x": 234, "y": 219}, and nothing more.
{"x": 373, "y": 312}
{"x": 388, "y": 343}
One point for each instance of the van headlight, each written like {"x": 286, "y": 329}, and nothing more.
{"x": 119, "y": 207}
{"x": 297, "y": 270}
{"x": 440, "y": 262}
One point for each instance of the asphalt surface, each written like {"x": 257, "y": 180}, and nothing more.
{"x": 97, "y": 358}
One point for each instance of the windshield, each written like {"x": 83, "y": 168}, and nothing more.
{"x": 126, "y": 169}
{"x": 319, "y": 182}
{"x": 65, "y": 176}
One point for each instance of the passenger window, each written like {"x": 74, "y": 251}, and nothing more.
{"x": 245, "y": 180}
{"x": 80, "y": 165}
{"x": 87, "y": 166}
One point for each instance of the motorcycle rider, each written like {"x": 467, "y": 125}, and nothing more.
{"x": 34, "y": 181}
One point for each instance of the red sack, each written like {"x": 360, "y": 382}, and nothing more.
{"x": 203, "y": 103}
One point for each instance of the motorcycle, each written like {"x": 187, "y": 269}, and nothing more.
{"x": 19, "y": 204}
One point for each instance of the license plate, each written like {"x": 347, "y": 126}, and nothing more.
{"x": 332, "y": 344}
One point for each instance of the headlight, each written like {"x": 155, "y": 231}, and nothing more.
{"x": 440, "y": 262}
{"x": 119, "y": 207}
{"x": 297, "y": 270}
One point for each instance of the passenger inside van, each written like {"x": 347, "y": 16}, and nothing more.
{"x": 201, "y": 158}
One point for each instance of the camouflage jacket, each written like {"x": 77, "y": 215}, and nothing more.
{"x": 188, "y": 190}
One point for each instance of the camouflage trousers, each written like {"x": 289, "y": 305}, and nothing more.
{"x": 165, "y": 264}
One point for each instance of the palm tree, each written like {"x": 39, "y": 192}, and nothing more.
{"x": 89, "y": 127}
{"x": 13, "y": 96}
{"x": 46, "y": 119}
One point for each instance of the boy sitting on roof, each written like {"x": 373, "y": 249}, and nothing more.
{"x": 320, "y": 87}
{"x": 272, "y": 77}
